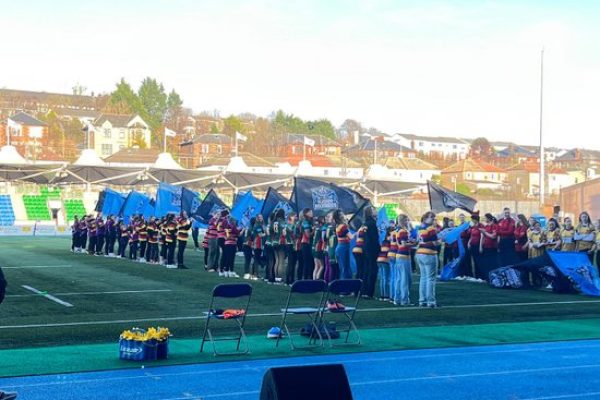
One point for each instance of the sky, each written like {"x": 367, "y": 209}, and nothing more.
{"x": 440, "y": 68}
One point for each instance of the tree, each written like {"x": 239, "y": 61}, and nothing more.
{"x": 79, "y": 90}
{"x": 321, "y": 127}
{"x": 56, "y": 133}
{"x": 153, "y": 99}
{"x": 175, "y": 115}
{"x": 123, "y": 100}
{"x": 348, "y": 127}
{"x": 231, "y": 125}
{"x": 463, "y": 188}
{"x": 480, "y": 148}
{"x": 214, "y": 128}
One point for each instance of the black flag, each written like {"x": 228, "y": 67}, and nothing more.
{"x": 444, "y": 200}
{"x": 201, "y": 212}
{"x": 274, "y": 201}
{"x": 323, "y": 197}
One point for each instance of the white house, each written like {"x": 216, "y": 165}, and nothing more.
{"x": 430, "y": 146}
{"x": 113, "y": 132}
{"x": 404, "y": 170}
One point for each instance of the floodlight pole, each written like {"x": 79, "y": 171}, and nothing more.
{"x": 542, "y": 155}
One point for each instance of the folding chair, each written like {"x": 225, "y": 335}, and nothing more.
{"x": 304, "y": 288}
{"x": 228, "y": 291}
{"x": 337, "y": 287}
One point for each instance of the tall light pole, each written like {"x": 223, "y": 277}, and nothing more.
{"x": 542, "y": 155}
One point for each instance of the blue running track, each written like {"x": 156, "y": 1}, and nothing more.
{"x": 540, "y": 371}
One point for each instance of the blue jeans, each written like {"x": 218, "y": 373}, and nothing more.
{"x": 393, "y": 279}
{"x": 428, "y": 267}
{"x": 384, "y": 280}
{"x": 342, "y": 255}
{"x": 404, "y": 280}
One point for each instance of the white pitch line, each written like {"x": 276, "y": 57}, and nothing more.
{"x": 39, "y": 266}
{"x": 94, "y": 293}
{"x": 405, "y": 309}
{"x": 48, "y": 296}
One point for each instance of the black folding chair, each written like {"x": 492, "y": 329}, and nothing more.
{"x": 336, "y": 288}
{"x": 304, "y": 288}
{"x": 227, "y": 291}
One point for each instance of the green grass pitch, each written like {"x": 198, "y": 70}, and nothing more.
{"x": 108, "y": 295}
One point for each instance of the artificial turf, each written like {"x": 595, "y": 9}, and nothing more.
{"x": 149, "y": 295}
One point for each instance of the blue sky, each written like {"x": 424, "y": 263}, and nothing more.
{"x": 450, "y": 68}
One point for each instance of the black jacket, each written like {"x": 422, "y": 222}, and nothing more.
{"x": 372, "y": 247}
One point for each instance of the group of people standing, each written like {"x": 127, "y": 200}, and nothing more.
{"x": 154, "y": 241}
{"x": 494, "y": 243}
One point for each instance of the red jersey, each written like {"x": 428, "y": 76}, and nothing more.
{"x": 506, "y": 228}
{"x": 489, "y": 243}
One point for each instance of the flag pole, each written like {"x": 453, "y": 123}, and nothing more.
{"x": 236, "y": 144}
{"x": 165, "y": 141}
{"x": 542, "y": 155}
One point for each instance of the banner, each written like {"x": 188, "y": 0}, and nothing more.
{"x": 450, "y": 270}
{"x": 190, "y": 201}
{"x": 137, "y": 203}
{"x": 323, "y": 197}
{"x": 168, "y": 200}
{"x": 444, "y": 200}
{"x": 578, "y": 269}
{"x": 246, "y": 207}
{"x": 274, "y": 201}
{"x": 113, "y": 201}
{"x": 205, "y": 210}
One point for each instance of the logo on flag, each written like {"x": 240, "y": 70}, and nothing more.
{"x": 285, "y": 206}
{"x": 324, "y": 198}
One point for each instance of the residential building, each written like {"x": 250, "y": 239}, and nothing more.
{"x": 33, "y": 102}
{"x": 200, "y": 148}
{"x": 476, "y": 174}
{"x": 133, "y": 156}
{"x": 292, "y": 145}
{"x": 373, "y": 150}
{"x": 525, "y": 179}
{"x": 578, "y": 158}
{"x": 434, "y": 147}
{"x": 27, "y": 134}
{"x": 114, "y": 132}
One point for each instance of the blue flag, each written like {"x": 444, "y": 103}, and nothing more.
{"x": 246, "y": 207}
{"x": 323, "y": 197}
{"x": 274, "y": 201}
{"x": 137, "y": 203}
{"x": 190, "y": 201}
{"x": 450, "y": 270}
{"x": 203, "y": 211}
{"x": 113, "y": 201}
{"x": 383, "y": 223}
{"x": 578, "y": 268}
{"x": 168, "y": 200}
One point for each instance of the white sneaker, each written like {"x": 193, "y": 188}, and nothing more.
{"x": 233, "y": 274}
{"x": 221, "y": 273}
{"x": 246, "y": 276}
{"x": 278, "y": 279}
{"x": 171, "y": 266}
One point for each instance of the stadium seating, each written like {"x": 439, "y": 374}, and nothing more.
{"x": 74, "y": 207}
{"x": 7, "y": 214}
{"x": 36, "y": 206}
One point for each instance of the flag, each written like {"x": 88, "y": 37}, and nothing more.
{"x": 323, "y": 197}
{"x": 205, "y": 209}
{"x": 113, "y": 201}
{"x": 383, "y": 223}
{"x": 239, "y": 137}
{"x": 274, "y": 201}
{"x": 358, "y": 218}
{"x": 190, "y": 201}
{"x": 246, "y": 207}
{"x": 100, "y": 202}
{"x": 169, "y": 132}
{"x": 168, "y": 199}
{"x": 450, "y": 270}
{"x": 578, "y": 269}
{"x": 136, "y": 203}
{"x": 444, "y": 200}
{"x": 309, "y": 142}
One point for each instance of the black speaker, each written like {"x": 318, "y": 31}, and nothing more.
{"x": 313, "y": 382}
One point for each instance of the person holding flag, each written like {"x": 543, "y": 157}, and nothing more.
{"x": 142, "y": 229}
{"x": 152, "y": 250}
{"x": 427, "y": 259}
{"x": 258, "y": 234}
{"x": 232, "y": 233}
{"x": 123, "y": 238}
{"x": 183, "y": 232}
{"x": 293, "y": 249}
{"x": 372, "y": 249}
{"x": 281, "y": 237}
{"x": 170, "y": 240}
